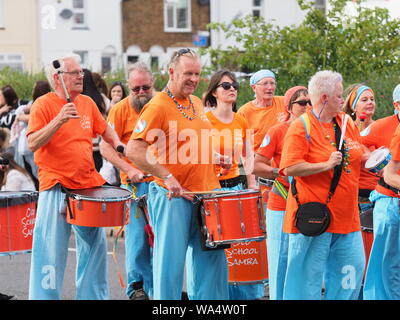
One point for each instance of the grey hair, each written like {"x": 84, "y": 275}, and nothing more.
{"x": 323, "y": 82}
{"x": 51, "y": 71}
{"x": 141, "y": 67}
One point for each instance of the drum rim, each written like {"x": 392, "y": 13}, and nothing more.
{"x": 71, "y": 194}
{"x": 219, "y": 242}
{"x": 386, "y": 158}
{"x": 230, "y": 193}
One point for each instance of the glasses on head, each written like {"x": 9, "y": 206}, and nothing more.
{"x": 228, "y": 85}
{"x": 74, "y": 73}
{"x": 144, "y": 88}
{"x": 303, "y": 103}
{"x": 182, "y": 52}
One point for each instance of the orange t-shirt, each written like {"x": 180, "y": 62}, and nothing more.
{"x": 228, "y": 140}
{"x": 297, "y": 149}
{"x": 67, "y": 158}
{"x": 122, "y": 118}
{"x": 261, "y": 119}
{"x": 378, "y": 134}
{"x": 395, "y": 152}
{"x": 183, "y": 146}
{"x": 271, "y": 148}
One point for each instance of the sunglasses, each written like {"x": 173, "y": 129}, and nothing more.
{"x": 303, "y": 103}
{"x": 144, "y": 88}
{"x": 228, "y": 85}
{"x": 182, "y": 52}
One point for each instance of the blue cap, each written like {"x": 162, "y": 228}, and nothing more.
{"x": 396, "y": 94}
{"x": 261, "y": 74}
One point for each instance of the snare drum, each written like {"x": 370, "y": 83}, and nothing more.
{"x": 99, "y": 207}
{"x": 265, "y": 188}
{"x": 247, "y": 262}
{"x": 17, "y": 220}
{"x": 232, "y": 217}
{"x": 378, "y": 160}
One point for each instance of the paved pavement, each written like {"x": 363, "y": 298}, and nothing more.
{"x": 14, "y": 275}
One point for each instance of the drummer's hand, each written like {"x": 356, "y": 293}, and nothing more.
{"x": 67, "y": 112}
{"x": 252, "y": 186}
{"x": 334, "y": 160}
{"x": 174, "y": 187}
{"x": 135, "y": 175}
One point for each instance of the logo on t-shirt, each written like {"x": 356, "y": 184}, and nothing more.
{"x": 85, "y": 122}
{"x": 140, "y": 126}
{"x": 265, "y": 141}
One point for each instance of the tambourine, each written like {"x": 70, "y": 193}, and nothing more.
{"x": 378, "y": 160}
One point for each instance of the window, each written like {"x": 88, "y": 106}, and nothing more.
{"x": 257, "y": 6}
{"x": 321, "y": 5}
{"x": 14, "y": 61}
{"x": 84, "y": 58}
{"x": 80, "y": 15}
{"x": 133, "y": 59}
{"x": 154, "y": 63}
{"x": 177, "y": 16}
{"x": 105, "y": 64}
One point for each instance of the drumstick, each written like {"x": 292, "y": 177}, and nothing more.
{"x": 205, "y": 192}
{"x": 343, "y": 130}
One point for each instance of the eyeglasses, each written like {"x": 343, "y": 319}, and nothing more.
{"x": 144, "y": 88}
{"x": 228, "y": 85}
{"x": 74, "y": 73}
{"x": 265, "y": 84}
{"x": 303, "y": 103}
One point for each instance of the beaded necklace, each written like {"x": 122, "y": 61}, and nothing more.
{"x": 182, "y": 108}
{"x": 346, "y": 155}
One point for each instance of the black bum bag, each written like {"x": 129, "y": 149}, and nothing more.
{"x": 312, "y": 218}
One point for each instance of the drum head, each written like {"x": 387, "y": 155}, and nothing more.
{"x": 102, "y": 193}
{"x": 13, "y": 198}
{"x": 376, "y": 157}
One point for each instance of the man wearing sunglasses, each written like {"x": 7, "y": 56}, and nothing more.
{"x": 164, "y": 124}
{"x": 123, "y": 117}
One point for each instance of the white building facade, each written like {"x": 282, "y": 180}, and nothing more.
{"x": 90, "y": 28}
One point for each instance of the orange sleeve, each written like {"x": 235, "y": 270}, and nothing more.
{"x": 395, "y": 145}
{"x": 269, "y": 144}
{"x": 296, "y": 145}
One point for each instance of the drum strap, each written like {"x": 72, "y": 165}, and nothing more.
{"x": 67, "y": 196}
{"x": 337, "y": 171}
{"x": 382, "y": 183}
{"x": 281, "y": 189}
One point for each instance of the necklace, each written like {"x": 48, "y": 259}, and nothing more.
{"x": 182, "y": 108}
{"x": 346, "y": 155}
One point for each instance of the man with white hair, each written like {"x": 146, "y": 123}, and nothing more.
{"x": 122, "y": 118}
{"x": 60, "y": 135}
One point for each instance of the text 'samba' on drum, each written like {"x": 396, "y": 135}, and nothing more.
{"x": 17, "y": 221}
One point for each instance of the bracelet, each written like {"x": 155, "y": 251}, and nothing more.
{"x": 275, "y": 171}
{"x": 168, "y": 176}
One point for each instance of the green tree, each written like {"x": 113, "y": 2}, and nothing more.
{"x": 364, "y": 48}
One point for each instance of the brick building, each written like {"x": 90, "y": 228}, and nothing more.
{"x": 153, "y": 29}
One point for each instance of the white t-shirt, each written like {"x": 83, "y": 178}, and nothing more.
{"x": 17, "y": 181}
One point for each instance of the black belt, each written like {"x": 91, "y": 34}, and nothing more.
{"x": 382, "y": 183}
{"x": 230, "y": 183}
{"x": 364, "y": 193}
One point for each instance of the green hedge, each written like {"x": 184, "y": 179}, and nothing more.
{"x": 23, "y": 83}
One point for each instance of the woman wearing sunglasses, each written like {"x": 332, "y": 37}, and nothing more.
{"x": 12, "y": 176}
{"x": 231, "y": 140}
{"x": 266, "y": 165}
